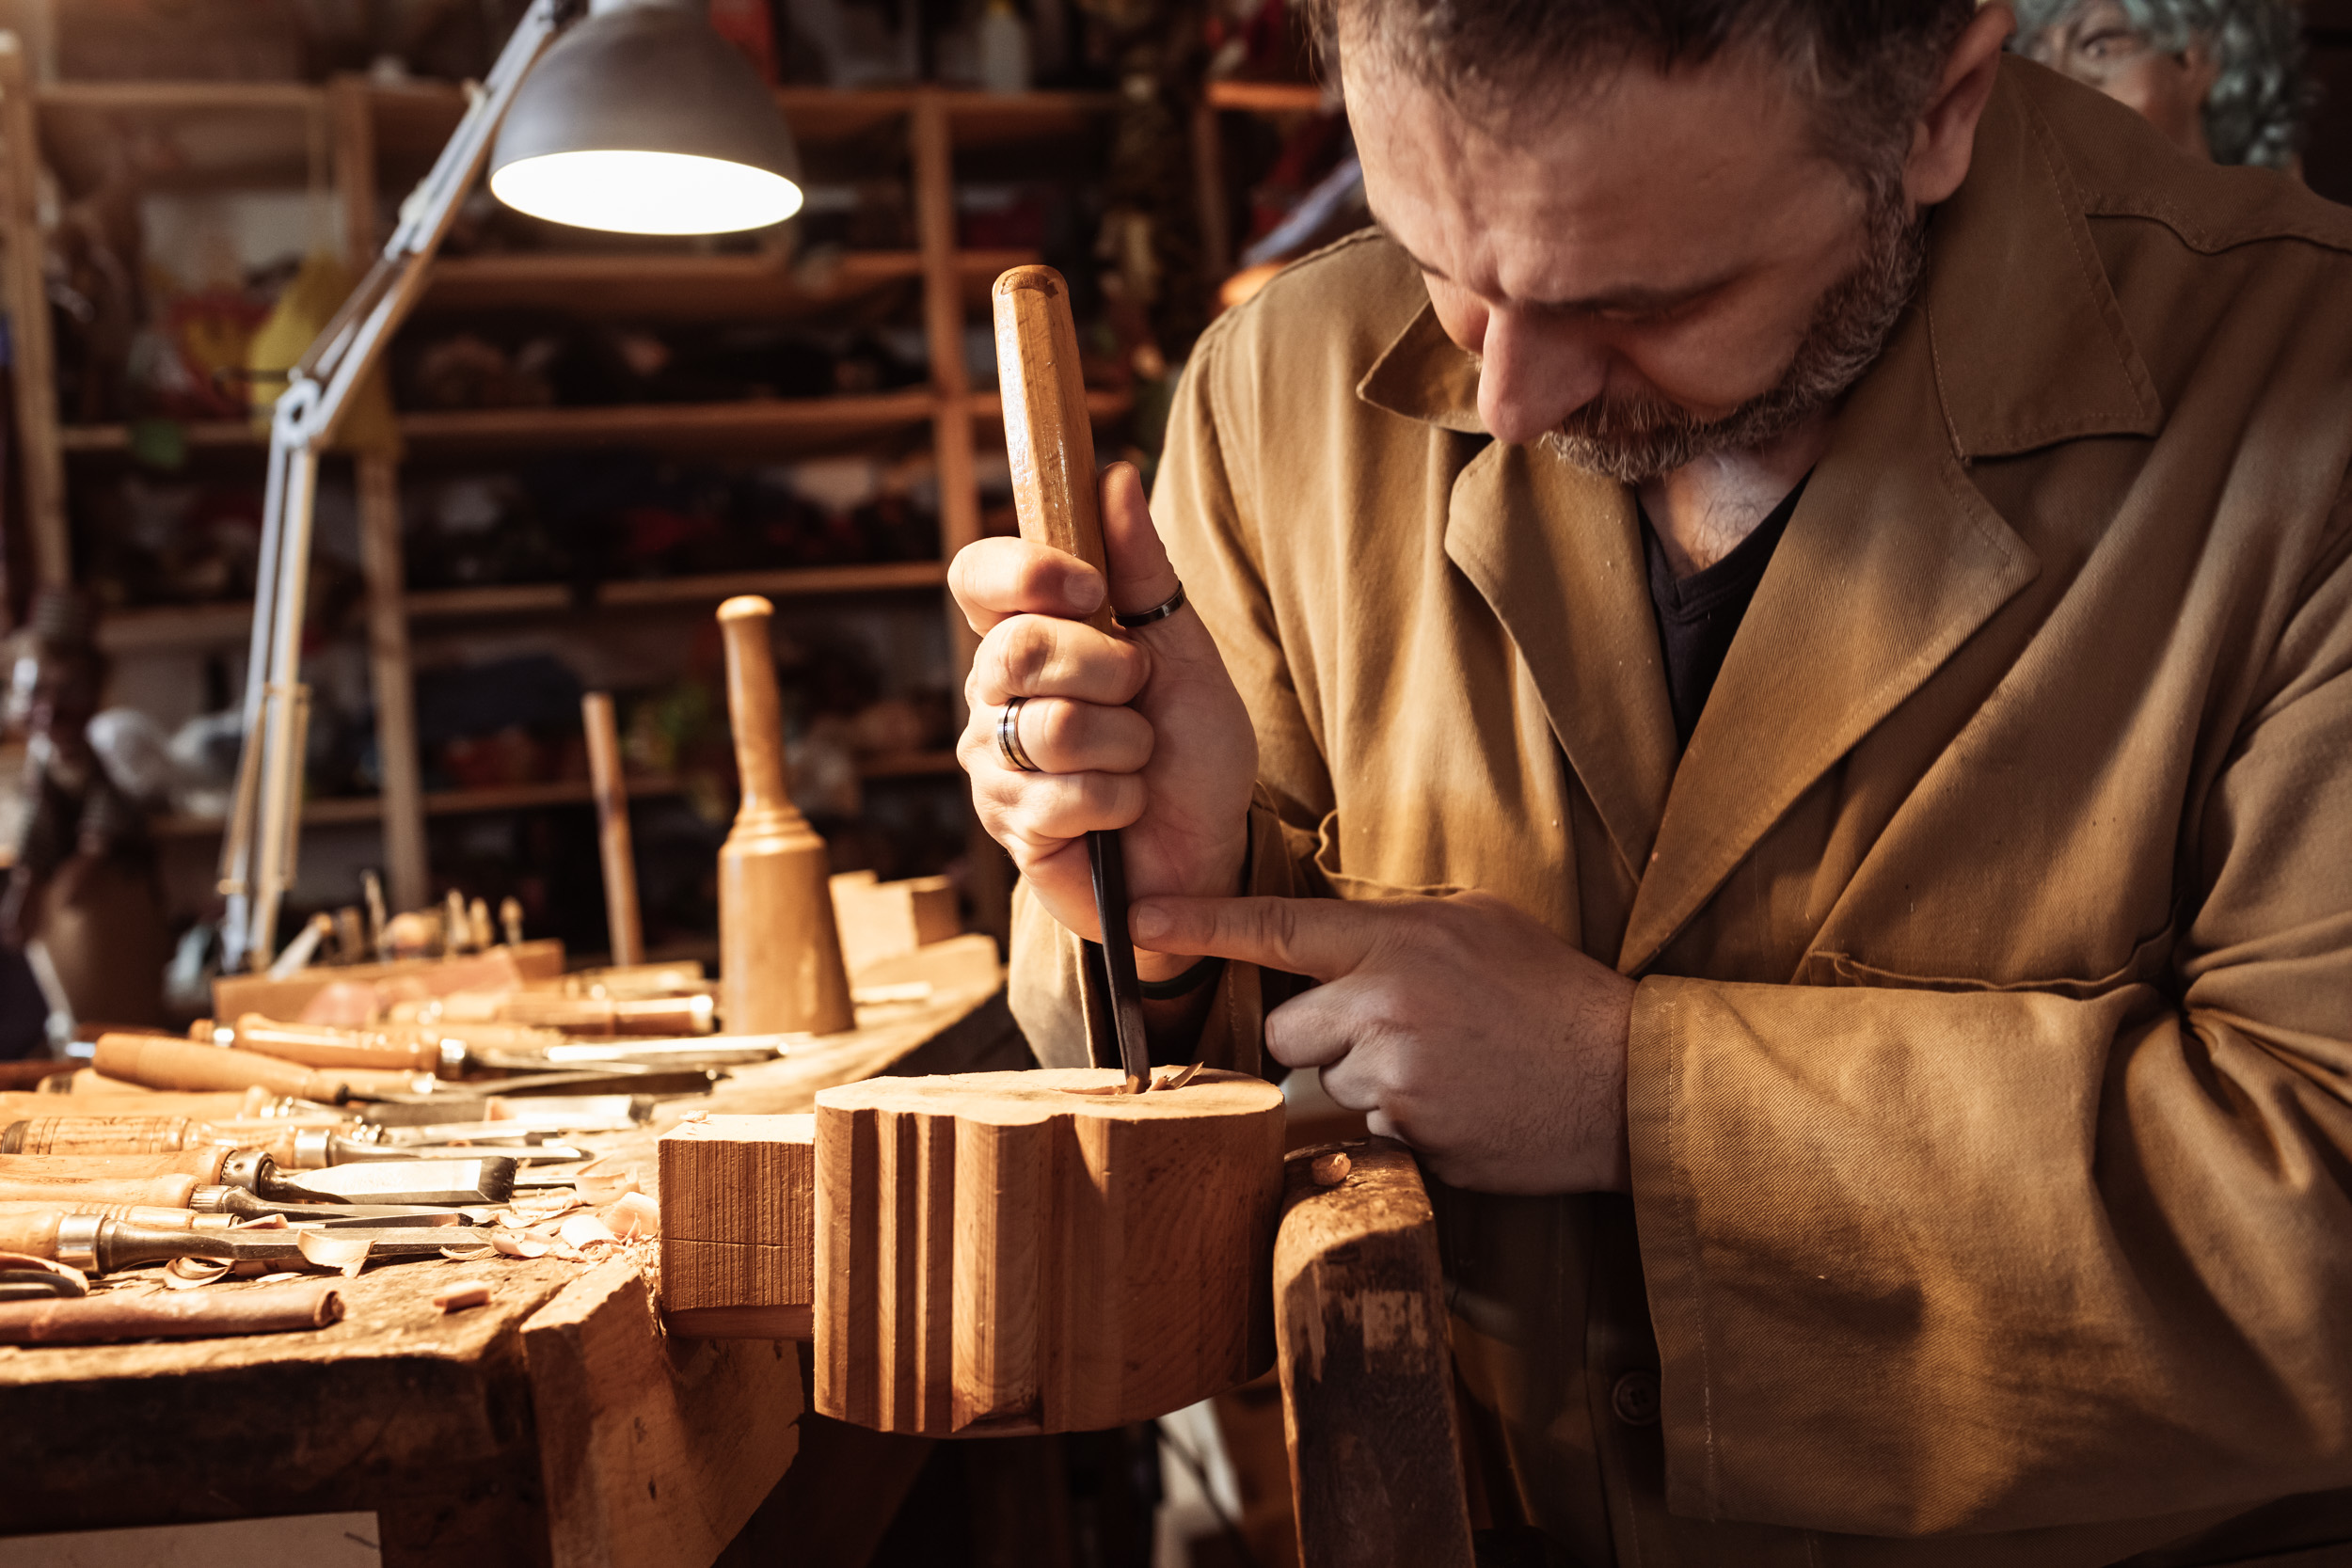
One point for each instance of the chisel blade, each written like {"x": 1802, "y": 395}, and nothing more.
{"x": 1108, "y": 861}
{"x": 489, "y": 1178}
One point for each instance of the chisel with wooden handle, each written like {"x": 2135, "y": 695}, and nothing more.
{"x": 289, "y": 1148}
{"x": 1057, "y": 494}
{"x": 161, "y": 1062}
{"x": 97, "y": 1244}
{"x": 153, "y": 1179}
{"x": 169, "y": 1315}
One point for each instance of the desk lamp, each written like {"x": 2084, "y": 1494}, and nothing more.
{"x": 639, "y": 120}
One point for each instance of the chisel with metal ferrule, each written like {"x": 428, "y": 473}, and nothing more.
{"x": 97, "y": 1244}
{"x": 481, "y": 1179}
{"x": 236, "y": 1203}
{"x": 1050, "y": 438}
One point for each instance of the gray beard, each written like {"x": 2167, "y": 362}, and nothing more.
{"x": 1637, "y": 439}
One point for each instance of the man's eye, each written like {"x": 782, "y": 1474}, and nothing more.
{"x": 2110, "y": 43}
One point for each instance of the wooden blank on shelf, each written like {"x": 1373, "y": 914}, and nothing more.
{"x": 996, "y": 1253}
{"x": 738, "y": 1244}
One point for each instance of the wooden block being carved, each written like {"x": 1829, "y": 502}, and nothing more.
{"x": 1367, "y": 1365}
{"x": 738, "y": 1227}
{"x": 996, "y": 1253}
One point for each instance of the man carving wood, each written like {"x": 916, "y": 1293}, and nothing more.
{"x": 1777, "y": 644}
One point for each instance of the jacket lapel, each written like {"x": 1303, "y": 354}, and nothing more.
{"x": 1891, "y": 561}
{"x": 1894, "y": 559}
{"x": 1557, "y": 555}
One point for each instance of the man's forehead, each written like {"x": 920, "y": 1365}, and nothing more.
{"x": 1634, "y": 192}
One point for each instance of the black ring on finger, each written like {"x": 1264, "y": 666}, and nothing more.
{"x": 1160, "y": 611}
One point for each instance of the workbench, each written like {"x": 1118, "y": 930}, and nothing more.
{"x": 558, "y": 1424}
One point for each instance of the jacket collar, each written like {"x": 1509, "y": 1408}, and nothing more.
{"x": 1891, "y": 562}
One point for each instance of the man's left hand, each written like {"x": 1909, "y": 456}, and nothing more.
{"x": 1457, "y": 1024}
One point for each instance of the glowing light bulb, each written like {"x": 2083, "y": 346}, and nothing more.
{"x": 647, "y": 192}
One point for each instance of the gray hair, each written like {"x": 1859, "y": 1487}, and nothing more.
{"x": 2255, "y": 112}
{"x": 1868, "y": 66}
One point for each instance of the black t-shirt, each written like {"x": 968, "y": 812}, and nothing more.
{"x": 1699, "y": 615}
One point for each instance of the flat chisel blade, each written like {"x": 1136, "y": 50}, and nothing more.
{"x": 1109, "y": 860}
{"x": 489, "y": 1178}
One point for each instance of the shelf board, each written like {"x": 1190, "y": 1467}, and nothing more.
{"x": 811, "y": 420}
{"x": 761, "y": 287}
{"x": 198, "y": 433}
{"x": 1269, "y": 98}
{"x": 163, "y": 628}
{"x": 797, "y": 582}
{"x": 1102, "y": 403}
{"x": 297, "y": 97}
{"x": 159, "y": 627}
{"x": 530, "y": 797}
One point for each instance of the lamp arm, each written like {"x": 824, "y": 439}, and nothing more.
{"x": 259, "y": 848}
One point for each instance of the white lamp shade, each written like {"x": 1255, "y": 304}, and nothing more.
{"x": 643, "y": 120}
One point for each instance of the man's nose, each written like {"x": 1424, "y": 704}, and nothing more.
{"x": 1531, "y": 375}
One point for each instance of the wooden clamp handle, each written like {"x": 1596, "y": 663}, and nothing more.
{"x": 102, "y": 1135}
{"x": 79, "y": 1193}
{"x": 1048, "y": 433}
{"x": 753, "y": 707}
{"x": 1359, "y": 1325}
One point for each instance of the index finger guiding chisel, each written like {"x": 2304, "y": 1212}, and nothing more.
{"x": 1050, "y": 438}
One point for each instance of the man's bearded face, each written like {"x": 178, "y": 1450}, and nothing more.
{"x": 1633, "y": 439}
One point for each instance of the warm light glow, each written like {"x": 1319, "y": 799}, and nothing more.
{"x": 647, "y": 192}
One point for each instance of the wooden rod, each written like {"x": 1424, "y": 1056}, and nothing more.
{"x": 613, "y": 840}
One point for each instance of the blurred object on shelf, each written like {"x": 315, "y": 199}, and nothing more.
{"x": 304, "y": 307}
{"x": 749, "y": 26}
{"x": 515, "y": 721}
{"x": 1004, "y": 49}
{"x": 593, "y": 517}
{"x": 1257, "y": 40}
{"x": 81, "y": 897}
{"x": 240, "y": 41}
{"x": 853, "y": 43}
{"x": 1334, "y": 206}
{"x": 1244, "y": 285}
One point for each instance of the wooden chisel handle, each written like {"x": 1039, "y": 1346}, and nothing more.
{"x": 162, "y": 1063}
{"x": 204, "y": 1162}
{"x": 102, "y": 1135}
{"x": 1049, "y": 435}
{"x": 80, "y": 1194}
{"x": 318, "y": 1046}
{"x": 32, "y": 1231}
{"x": 15, "y": 1210}
{"x": 170, "y": 1064}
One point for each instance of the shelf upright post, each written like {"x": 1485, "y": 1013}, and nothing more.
{"x": 32, "y": 351}
{"x": 990, "y": 885}
{"x": 390, "y": 671}
{"x": 258, "y": 852}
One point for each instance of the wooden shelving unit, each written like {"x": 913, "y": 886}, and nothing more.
{"x": 372, "y": 126}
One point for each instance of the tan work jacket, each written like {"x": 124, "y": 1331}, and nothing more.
{"x": 1989, "y": 1072}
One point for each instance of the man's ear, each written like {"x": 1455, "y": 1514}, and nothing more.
{"x": 1944, "y": 138}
